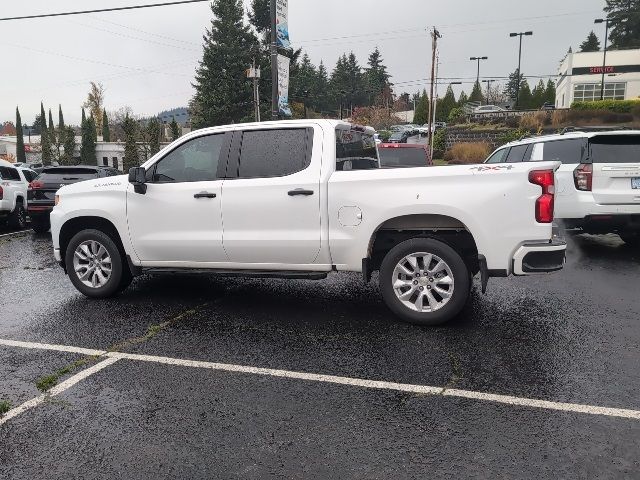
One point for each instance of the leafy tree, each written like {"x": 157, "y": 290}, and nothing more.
{"x": 624, "y": 27}
{"x": 175, "y": 129}
{"x": 45, "y": 142}
{"x": 60, "y": 118}
{"x": 445, "y": 105}
{"x": 88, "y": 145}
{"x": 69, "y": 145}
{"x": 421, "y": 115}
{"x": 131, "y": 158}
{"x": 591, "y": 44}
{"x": 376, "y": 76}
{"x": 462, "y": 99}
{"x": 21, "y": 155}
{"x": 538, "y": 95}
{"x": 550, "y": 92}
{"x": 222, "y": 93}
{"x": 106, "y": 132}
{"x": 476, "y": 93}
{"x": 95, "y": 102}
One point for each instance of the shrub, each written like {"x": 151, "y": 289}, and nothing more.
{"x": 467, "y": 153}
{"x": 559, "y": 118}
{"x": 439, "y": 139}
{"x": 456, "y": 115}
{"x": 512, "y": 122}
{"x": 617, "y": 106}
{"x": 513, "y": 135}
{"x": 384, "y": 135}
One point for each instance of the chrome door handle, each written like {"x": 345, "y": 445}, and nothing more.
{"x": 205, "y": 195}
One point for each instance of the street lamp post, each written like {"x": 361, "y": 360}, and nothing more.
{"x": 520, "y": 34}
{"x": 474, "y": 59}
{"x": 488, "y": 82}
{"x": 604, "y": 56}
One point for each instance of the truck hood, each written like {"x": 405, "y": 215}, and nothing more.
{"x": 114, "y": 184}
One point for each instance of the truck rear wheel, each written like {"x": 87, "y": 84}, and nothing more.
{"x": 18, "y": 218}
{"x": 424, "y": 281}
{"x": 40, "y": 224}
{"x": 94, "y": 264}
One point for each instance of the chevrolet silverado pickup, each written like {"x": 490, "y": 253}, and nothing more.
{"x": 302, "y": 199}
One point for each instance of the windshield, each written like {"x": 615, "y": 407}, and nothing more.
{"x": 355, "y": 150}
{"x": 403, "y": 157}
{"x": 65, "y": 174}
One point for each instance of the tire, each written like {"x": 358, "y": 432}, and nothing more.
{"x": 398, "y": 278}
{"x": 89, "y": 268}
{"x": 631, "y": 238}
{"x": 40, "y": 224}
{"x": 18, "y": 218}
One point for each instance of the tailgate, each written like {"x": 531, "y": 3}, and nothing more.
{"x": 616, "y": 169}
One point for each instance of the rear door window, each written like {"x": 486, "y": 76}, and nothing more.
{"x": 9, "y": 173}
{"x": 615, "y": 149}
{"x": 517, "y": 153}
{"x": 566, "y": 151}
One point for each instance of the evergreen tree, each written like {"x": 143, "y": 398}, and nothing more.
{"x": 222, "y": 93}
{"x": 45, "y": 142}
{"x": 624, "y": 23}
{"x": 591, "y": 44}
{"x": 322, "y": 89}
{"x": 84, "y": 117}
{"x": 69, "y": 145}
{"x": 260, "y": 16}
{"x": 175, "y": 129}
{"x": 476, "y": 93}
{"x": 106, "y": 132}
{"x": 463, "y": 99}
{"x": 52, "y": 127}
{"x": 88, "y": 145}
{"x": 445, "y": 105}
{"x": 303, "y": 84}
{"x": 550, "y": 92}
{"x": 525, "y": 101}
{"x": 377, "y": 77}
{"x": 20, "y": 153}
{"x": 131, "y": 158}
{"x": 36, "y": 128}
{"x": 512, "y": 86}
{"x": 154, "y": 131}
{"x": 60, "y": 119}
{"x": 538, "y": 96}
{"x": 421, "y": 115}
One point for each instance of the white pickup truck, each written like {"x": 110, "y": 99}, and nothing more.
{"x": 301, "y": 199}
{"x": 13, "y": 195}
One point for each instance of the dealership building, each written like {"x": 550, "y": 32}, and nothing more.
{"x": 580, "y": 77}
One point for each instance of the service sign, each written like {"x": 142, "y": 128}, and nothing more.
{"x": 283, "y": 86}
{"x": 282, "y": 24}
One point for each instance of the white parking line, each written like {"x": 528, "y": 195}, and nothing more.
{"x": 312, "y": 377}
{"x": 58, "y": 389}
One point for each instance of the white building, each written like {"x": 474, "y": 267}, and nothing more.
{"x": 581, "y": 77}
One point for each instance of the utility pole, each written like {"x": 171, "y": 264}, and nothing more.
{"x": 432, "y": 120}
{"x": 435, "y": 35}
{"x": 604, "y": 57}
{"x": 254, "y": 74}
{"x": 274, "y": 64}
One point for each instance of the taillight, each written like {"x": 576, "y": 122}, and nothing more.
{"x": 1, "y": 193}
{"x": 35, "y": 185}
{"x": 544, "y": 203}
{"x": 583, "y": 177}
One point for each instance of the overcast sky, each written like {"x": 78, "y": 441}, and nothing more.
{"x": 146, "y": 58}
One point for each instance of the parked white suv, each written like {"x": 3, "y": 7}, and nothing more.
{"x": 598, "y": 184}
{"x": 13, "y": 195}
{"x": 301, "y": 199}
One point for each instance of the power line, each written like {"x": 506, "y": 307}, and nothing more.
{"x": 101, "y": 10}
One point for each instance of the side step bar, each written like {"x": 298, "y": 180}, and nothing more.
{"x": 285, "y": 274}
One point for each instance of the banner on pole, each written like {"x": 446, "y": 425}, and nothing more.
{"x": 282, "y": 24}
{"x": 283, "y": 86}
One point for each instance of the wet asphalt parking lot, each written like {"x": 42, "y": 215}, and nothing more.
{"x": 198, "y": 377}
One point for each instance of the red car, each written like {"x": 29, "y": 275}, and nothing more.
{"x": 395, "y": 155}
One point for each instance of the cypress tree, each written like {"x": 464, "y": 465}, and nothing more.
{"x": 106, "y": 132}
{"x": 45, "y": 141}
{"x": 60, "y": 119}
{"x": 88, "y": 145}
{"x": 21, "y": 155}
{"x": 175, "y": 129}
{"x": 222, "y": 93}
{"x": 130, "y": 129}
{"x": 52, "y": 127}
{"x": 154, "y": 131}
{"x": 69, "y": 135}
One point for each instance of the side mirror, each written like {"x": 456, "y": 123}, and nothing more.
{"x": 138, "y": 178}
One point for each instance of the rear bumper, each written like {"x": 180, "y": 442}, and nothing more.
{"x": 534, "y": 258}
{"x": 606, "y": 223}
{"x": 39, "y": 209}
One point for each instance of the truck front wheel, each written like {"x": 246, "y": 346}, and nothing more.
{"x": 424, "y": 281}
{"x": 94, "y": 264}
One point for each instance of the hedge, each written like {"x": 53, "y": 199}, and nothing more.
{"x": 617, "y": 106}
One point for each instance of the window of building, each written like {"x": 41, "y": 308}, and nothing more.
{"x": 105, "y": 161}
{"x": 589, "y": 92}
